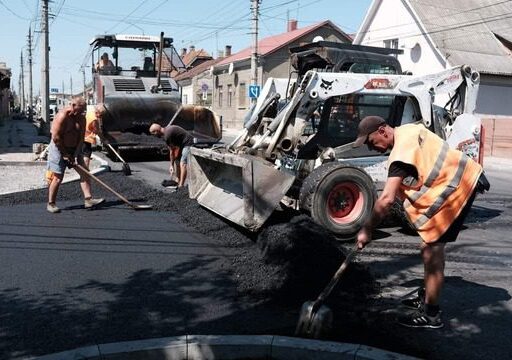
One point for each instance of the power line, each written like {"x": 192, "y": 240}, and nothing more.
{"x": 137, "y": 8}
{"x": 12, "y": 12}
{"x": 450, "y": 27}
{"x": 457, "y": 12}
{"x": 59, "y": 8}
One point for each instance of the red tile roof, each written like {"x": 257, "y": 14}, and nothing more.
{"x": 273, "y": 43}
{"x": 196, "y": 70}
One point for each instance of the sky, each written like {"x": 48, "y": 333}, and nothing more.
{"x": 206, "y": 24}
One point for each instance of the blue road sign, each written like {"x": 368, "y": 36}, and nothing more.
{"x": 54, "y": 90}
{"x": 254, "y": 91}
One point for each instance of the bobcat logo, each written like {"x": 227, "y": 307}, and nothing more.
{"x": 327, "y": 85}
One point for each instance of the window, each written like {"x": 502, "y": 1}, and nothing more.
{"x": 242, "y": 95}
{"x": 185, "y": 99}
{"x": 230, "y": 95}
{"x": 219, "y": 98}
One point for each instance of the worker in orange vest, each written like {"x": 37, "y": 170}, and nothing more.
{"x": 92, "y": 129}
{"x": 438, "y": 185}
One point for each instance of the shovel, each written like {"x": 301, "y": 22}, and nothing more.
{"x": 126, "y": 168}
{"x": 315, "y": 318}
{"x": 84, "y": 171}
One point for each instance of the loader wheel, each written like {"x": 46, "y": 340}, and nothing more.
{"x": 338, "y": 197}
{"x": 398, "y": 214}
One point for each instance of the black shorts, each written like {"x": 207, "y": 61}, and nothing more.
{"x": 453, "y": 231}
{"x": 87, "y": 149}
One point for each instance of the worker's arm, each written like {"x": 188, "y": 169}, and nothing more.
{"x": 171, "y": 162}
{"x": 81, "y": 137}
{"x": 380, "y": 210}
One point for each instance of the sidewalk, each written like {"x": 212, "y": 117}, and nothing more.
{"x": 18, "y": 163}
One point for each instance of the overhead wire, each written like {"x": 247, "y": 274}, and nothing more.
{"x": 12, "y": 12}
{"x": 134, "y": 10}
{"x": 457, "y": 12}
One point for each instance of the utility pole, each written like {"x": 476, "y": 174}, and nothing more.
{"x": 71, "y": 85}
{"x": 85, "y": 88}
{"x": 30, "y": 90}
{"x": 45, "y": 66}
{"x": 22, "y": 85}
{"x": 254, "y": 55}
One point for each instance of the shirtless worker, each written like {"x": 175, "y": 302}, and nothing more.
{"x": 68, "y": 131}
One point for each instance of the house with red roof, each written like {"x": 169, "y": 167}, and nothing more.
{"x": 232, "y": 74}
{"x": 196, "y": 84}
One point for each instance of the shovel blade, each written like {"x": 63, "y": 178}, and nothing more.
{"x": 126, "y": 169}
{"x": 314, "y": 323}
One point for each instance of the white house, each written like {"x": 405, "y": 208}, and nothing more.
{"x": 438, "y": 34}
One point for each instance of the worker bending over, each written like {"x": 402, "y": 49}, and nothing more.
{"x": 437, "y": 185}
{"x": 179, "y": 141}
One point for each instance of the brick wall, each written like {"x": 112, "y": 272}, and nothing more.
{"x": 498, "y": 136}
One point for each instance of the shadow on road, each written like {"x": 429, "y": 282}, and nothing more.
{"x": 149, "y": 304}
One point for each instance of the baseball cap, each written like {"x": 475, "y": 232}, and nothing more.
{"x": 366, "y": 126}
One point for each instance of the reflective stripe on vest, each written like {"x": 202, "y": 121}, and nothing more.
{"x": 446, "y": 180}
{"x": 450, "y": 188}
{"x": 431, "y": 176}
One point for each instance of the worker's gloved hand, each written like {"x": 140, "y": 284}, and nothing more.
{"x": 364, "y": 237}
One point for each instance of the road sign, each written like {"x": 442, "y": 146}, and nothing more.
{"x": 254, "y": 91}
{"x": 54, "y": 90}
{"x": 204, "y": 87}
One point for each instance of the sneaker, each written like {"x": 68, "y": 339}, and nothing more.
{"x": 420, "y": 319}
{"x": 89, "y": 203}
{"x": 416, "y": 302}
{"x": 52, "y": 208}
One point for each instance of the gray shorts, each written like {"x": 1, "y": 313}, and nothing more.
{"x": 55, "y": 162}
{"x": 184, "y": 155}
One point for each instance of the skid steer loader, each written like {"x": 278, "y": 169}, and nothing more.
{"x": 299, "y": 151}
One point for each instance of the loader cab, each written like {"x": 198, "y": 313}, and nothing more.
{"x": 339, "y": 119}
{"x": 325, "y": 56}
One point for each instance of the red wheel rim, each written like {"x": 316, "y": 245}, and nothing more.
{"x": 345, "y": 202}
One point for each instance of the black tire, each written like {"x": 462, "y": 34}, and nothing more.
{"x": 320, "y": 196}
{"x": 399, "y": 217}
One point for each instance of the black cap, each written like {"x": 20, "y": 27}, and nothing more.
{"x": 366, "y": 126}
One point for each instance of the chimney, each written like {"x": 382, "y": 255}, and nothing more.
{"x": 183, "y": 52}
{"x": 292, "y": 25}
{"x": 227, "y": 52}
{"x": 191, "y": 48}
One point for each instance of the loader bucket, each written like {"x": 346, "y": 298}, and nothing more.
{"x": 241, "y": 188}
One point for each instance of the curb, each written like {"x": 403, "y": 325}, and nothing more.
{"x": 228, "y": 347}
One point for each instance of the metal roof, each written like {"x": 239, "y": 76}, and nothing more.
{"x": 465, "y": 31}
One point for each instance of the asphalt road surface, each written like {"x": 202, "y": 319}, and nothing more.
{"x": 112, "y": 274}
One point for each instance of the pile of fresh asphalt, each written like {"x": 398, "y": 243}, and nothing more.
{"x": 290, "y": 261}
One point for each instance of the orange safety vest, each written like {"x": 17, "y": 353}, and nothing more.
{"x": 446, "y": 179}
{"x": 91, "y": 127}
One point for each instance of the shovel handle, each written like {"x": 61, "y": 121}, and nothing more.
{"x": 175, "y": 115}
{"x": 84, "y": 171}
{"x": 328, "y": 289}
{"x": 116, "y": 153}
